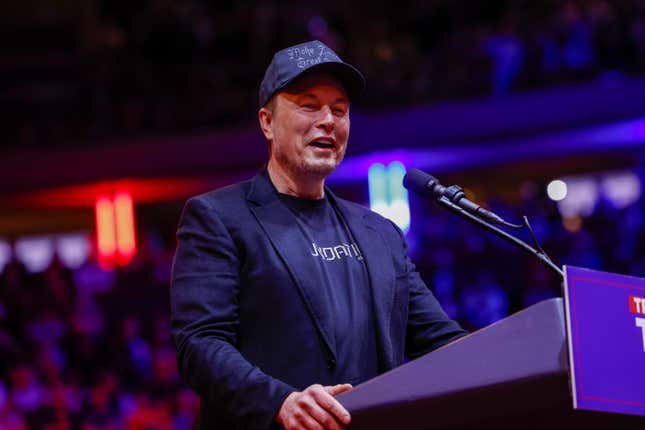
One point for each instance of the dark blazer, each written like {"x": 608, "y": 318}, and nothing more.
{"x": 248, "y": 321}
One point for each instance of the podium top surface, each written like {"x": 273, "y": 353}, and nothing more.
{"x": 528, "y": 344}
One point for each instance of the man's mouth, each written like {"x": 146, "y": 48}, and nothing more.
{"x": 322, "y": 144}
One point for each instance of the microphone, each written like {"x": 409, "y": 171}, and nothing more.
{"x": 428, "y": 186}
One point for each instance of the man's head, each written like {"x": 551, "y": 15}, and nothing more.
{"x": 304, "y": 109}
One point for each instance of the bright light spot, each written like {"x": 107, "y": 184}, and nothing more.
{"x": 5, "y": 254}
{"x": 124, "y": 217}
{"x": 582, "y": 196}
{"x": 621, "y": 189}
{"x": 105, "y": 231}
{"x": 73, "y": 249}
{"x": 395, "y": 174}
{"x": 115, "y": 229}
{"x": 377, "y": 183}
{"x": 398, "y": 196}
{"x": 400, "y": 214}
{"x": 557, "y": 190}
{"x": 582, "y": 192}
{"x": 36, "y": 253}
{"x": 387, "y": 195}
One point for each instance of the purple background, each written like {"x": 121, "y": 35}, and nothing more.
{"x": 609, "y": 361}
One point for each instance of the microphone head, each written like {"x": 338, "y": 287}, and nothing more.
{"x": 419, "y": 182}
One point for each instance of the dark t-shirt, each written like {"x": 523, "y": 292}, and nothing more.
{"x": 343, "y": 277}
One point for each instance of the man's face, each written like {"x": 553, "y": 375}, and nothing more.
{"x": 308, "y": 126}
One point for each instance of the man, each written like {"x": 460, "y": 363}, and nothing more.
{"x": 284, "y": 295}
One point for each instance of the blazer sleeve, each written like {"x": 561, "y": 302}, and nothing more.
{"x": 205, "y": 318}
{"x": 428, "y": 326}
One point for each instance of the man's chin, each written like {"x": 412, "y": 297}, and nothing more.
{"x": 321, "y": 168}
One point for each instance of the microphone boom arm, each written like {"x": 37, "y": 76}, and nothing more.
{"x": 445, "y": 202}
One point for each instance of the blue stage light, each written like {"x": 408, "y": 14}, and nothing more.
{"x": 387, "y": 195}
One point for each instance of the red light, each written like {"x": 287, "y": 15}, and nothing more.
{"x": 125, "y": 237}
{"x": 105, "y": 231}
{"x": 115, "y": 231}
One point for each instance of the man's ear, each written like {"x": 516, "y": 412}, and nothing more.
{"x": 265, "y": 116}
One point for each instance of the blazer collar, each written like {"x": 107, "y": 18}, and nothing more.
{"x": 277, "y": 221}
{"x": 262, "y": 190}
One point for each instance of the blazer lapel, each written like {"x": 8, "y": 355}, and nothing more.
{"x": 380, "y": 271}
{"x": 277, "y": 221}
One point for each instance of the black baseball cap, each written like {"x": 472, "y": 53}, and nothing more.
{"x": 292, "y": 62}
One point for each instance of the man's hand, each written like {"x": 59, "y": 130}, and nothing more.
{"x": 314, "y": 409}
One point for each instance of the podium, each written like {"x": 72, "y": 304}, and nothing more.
{"x": 511, "y": 374}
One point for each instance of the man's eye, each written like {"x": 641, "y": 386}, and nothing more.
{"x": 340, "y": 112}
{"x": 309, "y": 106}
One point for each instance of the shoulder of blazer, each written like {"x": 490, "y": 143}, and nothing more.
{"x": 225, "y": 195}
{"x": 226, "y": 202}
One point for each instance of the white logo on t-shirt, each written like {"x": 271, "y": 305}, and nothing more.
{"x": 330, "y": 253}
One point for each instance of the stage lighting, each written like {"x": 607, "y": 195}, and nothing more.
{"x": 557, "y": 190}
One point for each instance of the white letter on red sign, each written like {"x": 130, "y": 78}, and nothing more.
{"x": 639, "y": 305}
{"x": 640, "y": 322}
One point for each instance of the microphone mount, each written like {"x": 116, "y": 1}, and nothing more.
{"x": 456, "y": 195}
{"x": 454, "y": 199}
{"x": 540, "y": 255}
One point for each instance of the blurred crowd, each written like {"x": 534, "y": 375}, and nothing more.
{"x": 90, "y": 348}
{"x": 82, "y": 70}
{"x": 480, "y": 278}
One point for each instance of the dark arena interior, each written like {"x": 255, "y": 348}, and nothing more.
{"x": 115, "y": 112}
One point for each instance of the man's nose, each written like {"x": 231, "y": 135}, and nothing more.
{"x": 326, "y": 119}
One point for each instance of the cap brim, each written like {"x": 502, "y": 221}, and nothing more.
{"x": 348, "y": 75}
